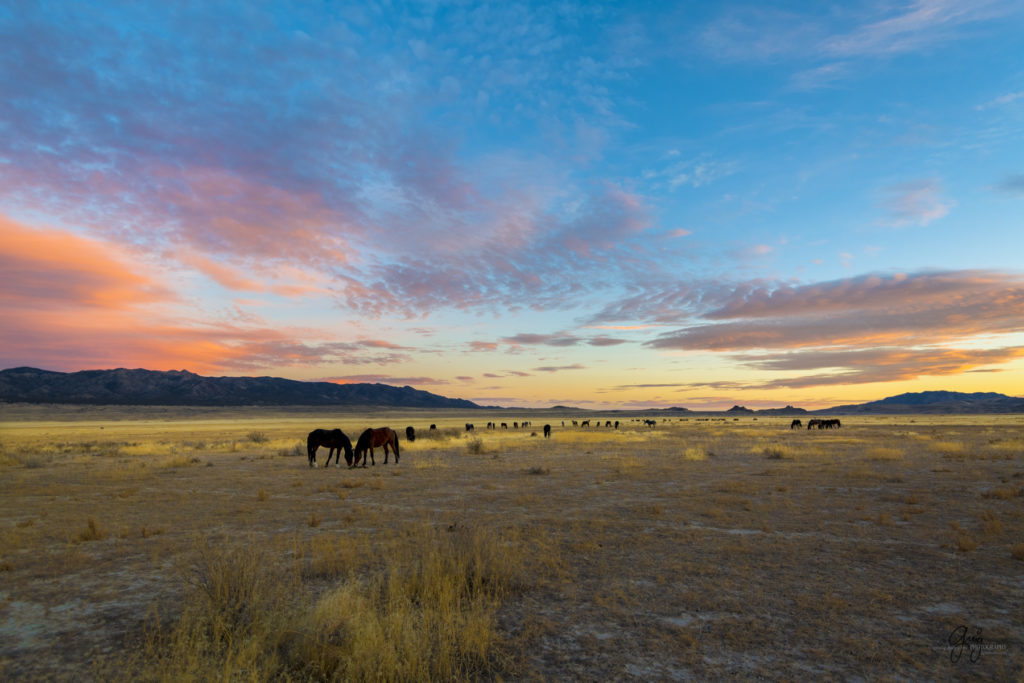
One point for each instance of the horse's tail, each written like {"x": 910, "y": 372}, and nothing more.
{"x": 311, "y": 445}
{"x": 394, "y": 434}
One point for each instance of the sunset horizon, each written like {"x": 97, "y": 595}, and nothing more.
{"x": 606, "y": 206}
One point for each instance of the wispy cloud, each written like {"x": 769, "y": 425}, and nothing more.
{"x": 559, "y": 368}
{"x": 386, "y": 379}
{"x": 1001, "y": 101}
{"x": 885, "y": 364}
{"x": 1012, "y": 185}
{"x": 922, "y": 308}
{"x": 916, "y": 202}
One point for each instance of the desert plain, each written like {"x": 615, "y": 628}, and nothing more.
{"x": 151, "y": 543}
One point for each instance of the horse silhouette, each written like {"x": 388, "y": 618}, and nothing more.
{"x": 334, "y": 440}
{"x": 372, "y": 438}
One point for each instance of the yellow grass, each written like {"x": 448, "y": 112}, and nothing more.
{"x": 172, "y": 545}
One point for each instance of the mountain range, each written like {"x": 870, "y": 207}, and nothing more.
{"x": 181, "y": 388}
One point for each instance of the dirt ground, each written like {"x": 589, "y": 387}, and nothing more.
{"x": 891, "y": 548}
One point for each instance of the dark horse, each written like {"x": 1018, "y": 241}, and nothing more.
{"x": 410, "y": 433}
{"x": 795, "y": 424}
{"x": 334, "y": 440}
{"x": 370, "y": 439}
{"x": 547, "y": 431}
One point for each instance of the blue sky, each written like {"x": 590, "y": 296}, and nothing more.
{"x": 606, "y": 205}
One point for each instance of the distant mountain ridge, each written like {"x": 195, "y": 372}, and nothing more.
{"x": 184, "y": 388}
{"x": 937, "y": 403}
{"x": 180, "y": 388}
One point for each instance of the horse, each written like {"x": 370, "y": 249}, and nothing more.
{"x": 370, "y": 439}
{"x": 334, "y": 440}
{"x": 547, "y": 431}
{"x": 410, "y": 434}
{"x": 469, "y": 426}
{"x": 815, "y": 423}
{"x": 796, "y": 424}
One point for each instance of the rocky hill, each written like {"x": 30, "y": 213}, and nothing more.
{"x": 180, "y": 387}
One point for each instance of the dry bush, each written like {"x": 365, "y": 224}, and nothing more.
{"x": 91, "y": 532}
{"x": 430, "y": 615}
{"x": 885, "y": 453}
{"x": 950, "y": 449}
{"x": 257, "y": 437}
{"x": 991, "y": 525}
{"x": 695, "y": 453}
{"x": 423, "y": 608}
{"x": 1003, "y": 492}
{"x": 777, "y": 452}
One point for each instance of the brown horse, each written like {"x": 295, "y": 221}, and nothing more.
{"x": 370, "y": 439}
{"x": 334, "y": 440}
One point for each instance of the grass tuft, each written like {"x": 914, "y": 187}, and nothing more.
{"x": 91, "y": 532}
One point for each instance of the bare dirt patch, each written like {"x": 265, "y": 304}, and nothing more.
{"x": 887, "y": 548}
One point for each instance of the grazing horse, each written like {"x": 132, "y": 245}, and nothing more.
{"x": 547, "y": 431}
{"x": 334, "y": 440}
{"x": 433, "y": 428}
{"x": 370, "y": 439}
{"x": 795, "y": 424}
{"x": 410, "y": 434}
{"x": 811, "y": 424}
{"x": 469, "y": 426}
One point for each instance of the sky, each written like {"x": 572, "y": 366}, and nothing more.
{"x": 603, "y": 205}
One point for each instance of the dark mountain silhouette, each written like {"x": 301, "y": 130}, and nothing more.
{"x": 788, "y": 410}
{"x": 936, "y": 402}
{"x": 180, "y": 388}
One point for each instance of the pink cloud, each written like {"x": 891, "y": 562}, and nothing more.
{"x": 57, "y": 269}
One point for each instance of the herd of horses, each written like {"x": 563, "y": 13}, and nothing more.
{"x": 833, "y": 423}
{"x": 336, "y": 441}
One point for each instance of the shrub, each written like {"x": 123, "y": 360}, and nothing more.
{"x": 777, "y": 453}
{"x": 258, "y": 437}
{"x": 92, "y": 532}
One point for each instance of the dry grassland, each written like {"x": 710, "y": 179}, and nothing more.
{"x": 178, "y": 544}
